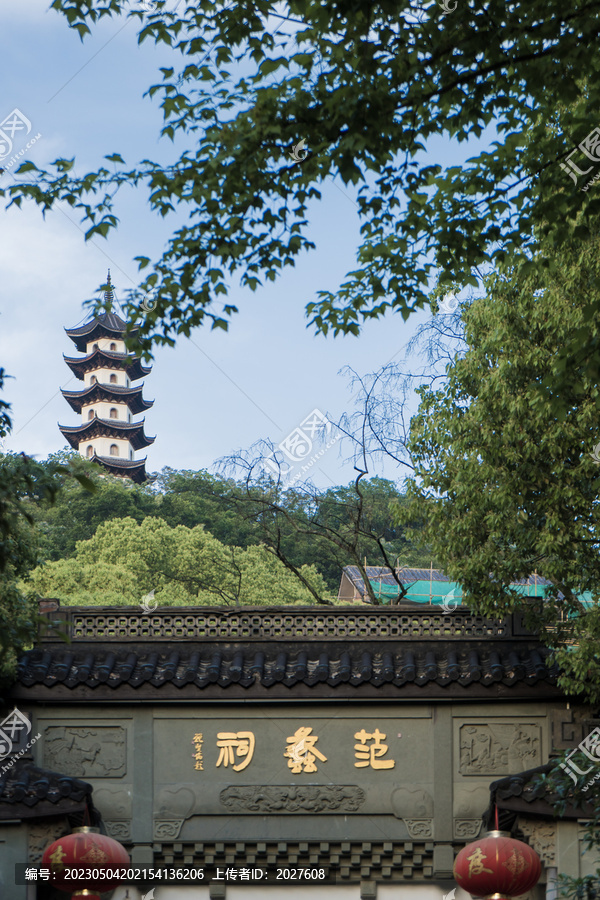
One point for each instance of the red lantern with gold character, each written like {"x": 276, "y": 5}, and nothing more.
{"x": 497, "y": 867}
{"x": 85, "y": 849}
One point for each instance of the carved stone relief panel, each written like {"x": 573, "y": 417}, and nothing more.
{"x": 499, "y": 748}
{"x": 120, "y": 831}
{"x": 309, "y": 798}
{"x": 566, "y": 732}
{"x": 113, "y": 802}
{"x": 98, "y": 752}
{"x": 419, "y": 828}
{"x": 175, "y": 803}
{"x": 416, "y": 803}
{"x": 173, "y": 807}
{"x": 470, "y": 801}
{"x": 542, "y": 837}
{"x": 167, "y": 829}
{"x": 40, "y": 835}
{"x": 115, "y": 807}
{"x": 571, "y": 726}
{"x": 467, "y": 829}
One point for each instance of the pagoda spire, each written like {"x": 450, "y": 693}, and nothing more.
{"x": 109, "y": 292}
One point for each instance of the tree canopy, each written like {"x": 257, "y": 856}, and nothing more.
{"x": 361, "y": 90}
{"x": 342, "y": 526}
{"x": 25, "y": 486}
{"x": 303, "y": 526}
{"x": 505, "y": 485}
{"x": 126, "y": 560}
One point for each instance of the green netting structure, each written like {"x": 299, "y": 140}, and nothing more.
{"x": 450, "y": 594}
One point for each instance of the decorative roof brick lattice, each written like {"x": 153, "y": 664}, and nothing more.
{"x": 351, "y": 861}
{"x": 281, "y": 653}
{"x": 282, "y": 623}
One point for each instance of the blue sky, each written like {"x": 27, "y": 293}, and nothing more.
{"x": 218, "y": 391}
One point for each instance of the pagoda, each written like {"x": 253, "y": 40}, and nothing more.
{"x": 108, "y": 401}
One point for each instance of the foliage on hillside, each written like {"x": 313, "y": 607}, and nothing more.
{"x": 125, "y": 561}
{"x": 223, "y": 507}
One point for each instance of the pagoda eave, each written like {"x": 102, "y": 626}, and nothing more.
{"x": 132, "y": 365}
{"x": 109, "y": 325}
{"x": 111, "y": 393}
{"x": 107, "y": 428}
{"x": 134, "y": 469}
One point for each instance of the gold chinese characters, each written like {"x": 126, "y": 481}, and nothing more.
{"x": 197, "y": 742}
{"x": 302, "y": 752}
{"x": 371, "y": 755}
{"x": 242, "y": 741}
{"x": 236, "y": 750}
{"x": 476, "y": 866}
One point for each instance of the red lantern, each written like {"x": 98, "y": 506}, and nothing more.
{"x": 87, "y": 895}
{"x": 86, "y": 848}
{"x": 497, "y": 867}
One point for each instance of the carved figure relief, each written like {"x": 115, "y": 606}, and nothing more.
{"x": 40, "y": 836}
{"x": 542, "y": 837}
{"x": 499, "y": 749}
{"x": 99, "y": 752}
{"x": 307, "y": 798}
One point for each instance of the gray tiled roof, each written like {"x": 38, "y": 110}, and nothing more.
{"x": 29, "y": 785}
{"x": 265, "y": 666}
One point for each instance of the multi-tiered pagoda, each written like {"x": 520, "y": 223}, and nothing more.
{"x": 108, "y": 402}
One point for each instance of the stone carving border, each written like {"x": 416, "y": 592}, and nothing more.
{"x": 467, "y": 829}
{"x": 419, "y": 828}
{"x": 167, "y": 829}
{"x": 119, "y": 830}
{"x": 293, "y": 799}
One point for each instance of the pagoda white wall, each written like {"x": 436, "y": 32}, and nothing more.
{"x": 102, "y": 409}
{"x": 104, "y": 344}
{"x": 103, "y": 376}
{"x": 102, "y": 447}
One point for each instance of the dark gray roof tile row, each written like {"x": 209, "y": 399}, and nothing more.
{"x": 269, "y": 665}
{"x": 25, "y": 783}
